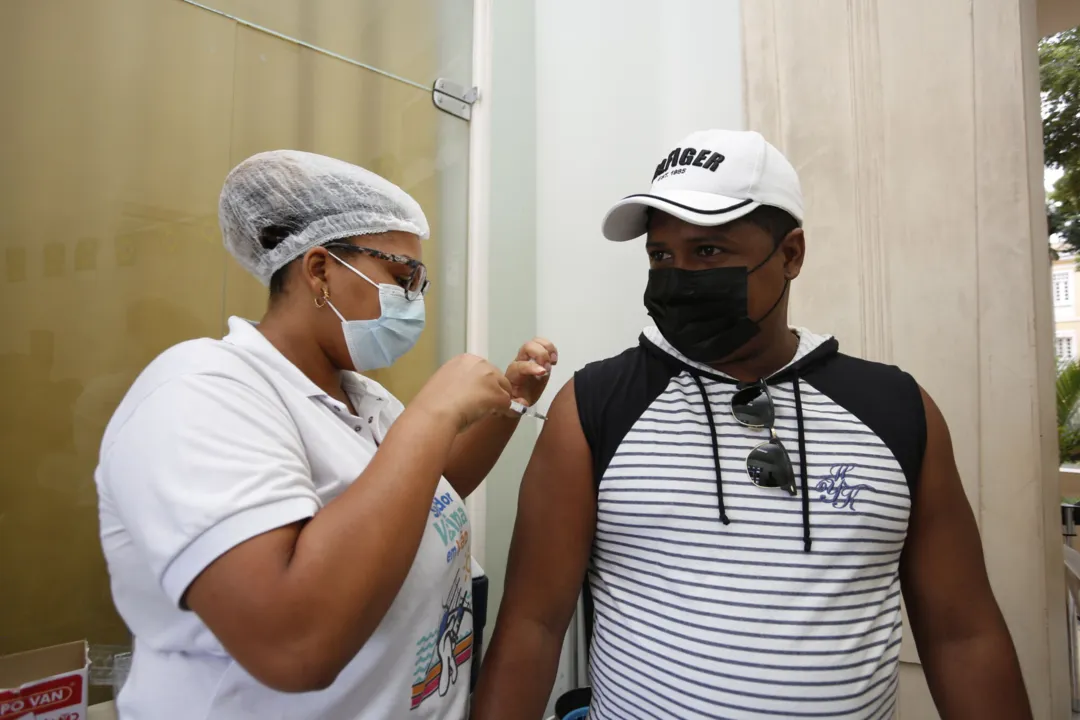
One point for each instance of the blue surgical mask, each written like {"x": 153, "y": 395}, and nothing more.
{"x": 378, "y": 343}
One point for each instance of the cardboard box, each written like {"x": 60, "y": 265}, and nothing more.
{"x": 46, "y": 684}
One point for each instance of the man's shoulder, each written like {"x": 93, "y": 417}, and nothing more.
{"x": 885, "y": 398}
{"x": 863, "y": 368}
{"x": 613, "y": 393}
{"x": 846, "y": 379}
{"x": 634, "y": 365}
{"x": 624, "y": 359}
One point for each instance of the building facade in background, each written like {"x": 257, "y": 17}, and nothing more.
{"x": 1064, "y": 287}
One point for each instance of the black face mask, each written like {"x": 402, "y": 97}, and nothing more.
{"x": 703, "y": 313}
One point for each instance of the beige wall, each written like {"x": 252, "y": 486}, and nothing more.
{"x": 1057, "y": 15}
{"x": 919, "y": 146}
{"x": 1070, "y": 482}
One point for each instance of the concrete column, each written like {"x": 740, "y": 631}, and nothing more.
{"x": 915, "y": 128}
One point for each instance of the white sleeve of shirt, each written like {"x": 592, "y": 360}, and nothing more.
{"x": 203, "y": 464}
{"x": 394, "y": 408}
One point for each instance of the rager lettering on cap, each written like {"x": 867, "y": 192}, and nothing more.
{"x": 689, "y": 156}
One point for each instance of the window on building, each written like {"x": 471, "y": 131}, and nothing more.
{"x": 1062, "y": 283}
{"x": 1065, "y": 347}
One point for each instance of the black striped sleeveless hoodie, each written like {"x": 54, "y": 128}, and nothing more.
{"x": 792, "y": 608}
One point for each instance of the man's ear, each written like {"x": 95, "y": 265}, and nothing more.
{"x": 793, "y": 248}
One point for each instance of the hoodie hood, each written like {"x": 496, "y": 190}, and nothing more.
{"x": 812, "y": 350}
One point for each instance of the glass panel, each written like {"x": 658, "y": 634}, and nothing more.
{"x": 122, "y": 119}
{"x": 116, "y": 137}
{"x": 289, "y": 96}
{"x": 416, "y": 39}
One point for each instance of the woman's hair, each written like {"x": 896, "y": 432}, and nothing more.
{"x": 269, "y": 238}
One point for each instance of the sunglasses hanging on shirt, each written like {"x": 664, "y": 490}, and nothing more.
{"x": 768, "y": 465}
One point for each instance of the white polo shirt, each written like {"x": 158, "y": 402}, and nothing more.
{"x": 219, "y": 441}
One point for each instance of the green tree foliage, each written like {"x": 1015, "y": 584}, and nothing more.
{"x": 1059, "y": 66}
{"x": 1068, "y": 412}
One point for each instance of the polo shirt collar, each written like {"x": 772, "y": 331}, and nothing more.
{"x": 244, "y": 334}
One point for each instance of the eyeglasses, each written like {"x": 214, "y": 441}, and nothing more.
{"x": 768, "y": 465}
{"x": 416, "y": 285}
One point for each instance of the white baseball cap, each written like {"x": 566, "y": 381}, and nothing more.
{"x": 713, "y": 177}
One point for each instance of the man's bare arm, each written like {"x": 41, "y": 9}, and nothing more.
{"x": 548, "y": 557}
{"x": 964, "y": 645}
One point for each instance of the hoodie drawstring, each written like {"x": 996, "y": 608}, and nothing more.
{"x": 802, "y": 467}
{"x": 802, "y": 457}
{"x": 715, "y": 448}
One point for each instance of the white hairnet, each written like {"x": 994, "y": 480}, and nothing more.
{"x": 277, "y": 205}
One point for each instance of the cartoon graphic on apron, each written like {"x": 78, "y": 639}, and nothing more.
{"x": 440, "y": 652}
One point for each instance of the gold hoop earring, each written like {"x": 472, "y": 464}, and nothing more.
{"x": 325, "y": 299}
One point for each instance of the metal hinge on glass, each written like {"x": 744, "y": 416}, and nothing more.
{"x": 453, "y": 98}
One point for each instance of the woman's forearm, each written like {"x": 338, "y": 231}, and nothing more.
{"x": 475, "y": 452}
{"x": 353, "y": 556}
{"x": 294, "y": 605}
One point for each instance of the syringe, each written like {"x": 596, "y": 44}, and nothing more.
{"x": 526, "y": 411}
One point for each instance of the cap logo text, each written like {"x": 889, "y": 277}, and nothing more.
{"x": 689, "y": 156}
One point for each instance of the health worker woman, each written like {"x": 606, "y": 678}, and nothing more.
{"x": 284, "y": 538}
